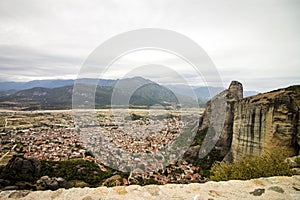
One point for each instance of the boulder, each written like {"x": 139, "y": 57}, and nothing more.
{"x": 47, "y": 183}
{"x": 26, "y": 167}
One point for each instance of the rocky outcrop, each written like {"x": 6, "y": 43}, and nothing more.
{"x": 251, "y": 125}
{"x": 262, "y": 188}
{"x": 233, "y": 95}
{"x": 20, "y": 173}
{"x": 217, "y": 118}
{"x": 25, "y": 166}
{"x": 267, "y": 121}
{"x": 213, "y": 111}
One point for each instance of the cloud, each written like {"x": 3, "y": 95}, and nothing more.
{"x": 18, "y": 63}
{"x": 252, "y": 41}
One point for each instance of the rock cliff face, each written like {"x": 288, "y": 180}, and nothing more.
{"x": 254, "y": 124}
{"x": 217, "y": 118}
{"x": 233, "y": 95}
{"x": 267, "y": 121}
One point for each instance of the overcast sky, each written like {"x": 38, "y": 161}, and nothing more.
{"x": 254, "y": 41}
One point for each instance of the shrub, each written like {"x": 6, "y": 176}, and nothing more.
{"x": 245, "y": 168}
{"x": 297, "y": 160}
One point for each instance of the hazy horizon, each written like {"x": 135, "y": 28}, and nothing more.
{"x": 170, "y": 84}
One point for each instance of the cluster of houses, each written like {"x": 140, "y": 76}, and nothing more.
{"x": 47, "y": 136}
{"x": 142, "y": 146}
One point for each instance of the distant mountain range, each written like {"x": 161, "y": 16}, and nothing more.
{"x": 17, "y": 86}
{"x": 57, "y": 94}
{"x": 201, "y": 92}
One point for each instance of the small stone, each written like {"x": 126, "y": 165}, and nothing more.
{"x": 214, "y": 193}
{"x": 276, "y": 189}
{"x": 60, "y": 179}
{"x": 258, "y": 192}
{"x": 44, "y": 177}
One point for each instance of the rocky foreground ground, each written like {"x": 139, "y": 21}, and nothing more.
{"x": 263, "y": 188}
